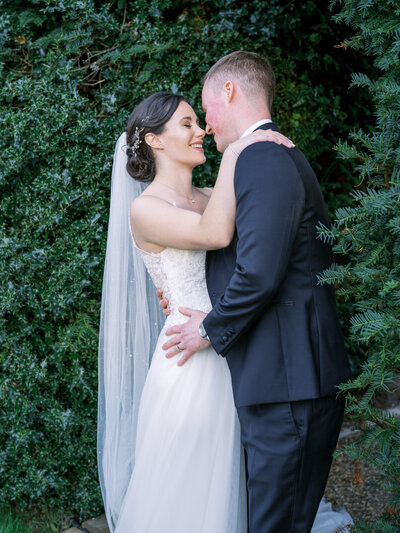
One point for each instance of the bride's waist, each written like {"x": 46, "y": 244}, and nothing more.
{"x": 176, "y": 317}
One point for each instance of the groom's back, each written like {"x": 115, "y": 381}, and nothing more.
{"x": 294, "y": 350}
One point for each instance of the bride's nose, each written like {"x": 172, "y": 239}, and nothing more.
{"x": 201, "y": 133}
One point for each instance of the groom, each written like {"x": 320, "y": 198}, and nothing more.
{"x": 277, "y": 328}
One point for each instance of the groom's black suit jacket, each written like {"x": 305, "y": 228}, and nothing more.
{"x": 277, "y": 327}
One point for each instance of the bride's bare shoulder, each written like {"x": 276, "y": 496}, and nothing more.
{"x": 147, "y": 205}
{"x": 205, "y": 190}
{"x": 139, "y": 203}
{"x": 146, "y": 199}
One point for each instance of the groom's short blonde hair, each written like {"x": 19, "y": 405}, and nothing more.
{"x": 253, "y": 73}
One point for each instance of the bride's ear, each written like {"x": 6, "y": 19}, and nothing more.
{"x": 153, "y": 141}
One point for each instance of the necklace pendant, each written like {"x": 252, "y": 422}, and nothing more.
{"x": 192, "y": 200}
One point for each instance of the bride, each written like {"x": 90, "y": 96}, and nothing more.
{"x": 169, "y": 451}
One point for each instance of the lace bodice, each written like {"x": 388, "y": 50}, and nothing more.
{"x": 181, "y": 276}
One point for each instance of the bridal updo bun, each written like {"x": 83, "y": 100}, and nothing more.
{"x": 150, "y": 116}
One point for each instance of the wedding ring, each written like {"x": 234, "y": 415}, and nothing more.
{"x": 179, "y": 348}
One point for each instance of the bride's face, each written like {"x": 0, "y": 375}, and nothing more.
{"x": 182, "y": 139}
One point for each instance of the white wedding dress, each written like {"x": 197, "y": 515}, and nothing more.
{"x": 188, "y": 474}
{"x": 189, "y": 470}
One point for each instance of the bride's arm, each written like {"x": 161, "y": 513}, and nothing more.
{"x": 156, "y": 221}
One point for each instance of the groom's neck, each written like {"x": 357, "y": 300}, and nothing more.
{"x": 247, "y": 114}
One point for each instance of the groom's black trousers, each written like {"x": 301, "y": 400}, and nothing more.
{"x": 289, "y": 449}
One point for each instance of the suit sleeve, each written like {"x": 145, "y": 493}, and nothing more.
{"x": 270, "y": 202}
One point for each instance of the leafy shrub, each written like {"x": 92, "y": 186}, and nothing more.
{"x": 367, "y": 234}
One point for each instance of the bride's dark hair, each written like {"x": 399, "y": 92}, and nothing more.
{"x": 150, "y": 116}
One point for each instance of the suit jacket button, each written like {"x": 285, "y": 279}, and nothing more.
{"x": 224, "y": 339}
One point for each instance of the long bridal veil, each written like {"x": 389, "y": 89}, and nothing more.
{"x": 129, "y": 327}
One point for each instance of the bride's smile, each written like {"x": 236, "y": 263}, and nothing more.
{"x": 181, "y": 142}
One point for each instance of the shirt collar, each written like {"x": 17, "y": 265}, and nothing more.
{"x": 253, "y": 127}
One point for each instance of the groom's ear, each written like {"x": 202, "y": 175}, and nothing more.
{"x": 228, "y": 90}
{"x": 153, "y": 141}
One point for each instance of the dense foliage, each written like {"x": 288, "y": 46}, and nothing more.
{"x": 70, "y": 72}
{"x": 367, "y": 234}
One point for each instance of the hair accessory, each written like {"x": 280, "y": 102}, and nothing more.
{"x": 138, "y": 140}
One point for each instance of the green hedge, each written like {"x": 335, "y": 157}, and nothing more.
{"x": 70, "y": 72}
{"x": 367, "y": 237}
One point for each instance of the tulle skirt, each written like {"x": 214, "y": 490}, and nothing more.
{"x": 189, "y": 473}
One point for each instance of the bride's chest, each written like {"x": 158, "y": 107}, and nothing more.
{"x": 177, "y": 270}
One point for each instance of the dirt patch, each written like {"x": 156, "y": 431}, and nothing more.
{"x": 355, "y": 485}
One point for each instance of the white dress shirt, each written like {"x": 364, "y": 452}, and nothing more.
{"x": 253, "y": 127}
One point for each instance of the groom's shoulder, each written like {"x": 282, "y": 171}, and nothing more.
{"x": 265, "y": 150}
{"x": 266, "y": 155}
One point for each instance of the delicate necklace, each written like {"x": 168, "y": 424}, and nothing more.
{"x": 191, "y": 198}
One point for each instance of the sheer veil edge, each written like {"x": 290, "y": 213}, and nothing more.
{"x": 129, "y": 327}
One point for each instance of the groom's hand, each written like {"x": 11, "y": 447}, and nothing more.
{"x": 186, "y": 336}
{"x": 163, "y": 303}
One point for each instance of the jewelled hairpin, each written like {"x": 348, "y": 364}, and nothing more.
{"x": 138, "y": 140}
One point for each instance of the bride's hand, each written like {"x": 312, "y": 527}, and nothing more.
{"x": 259, "y": 136}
